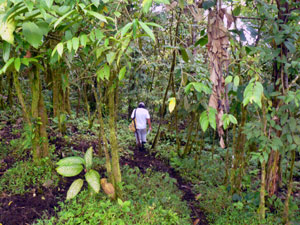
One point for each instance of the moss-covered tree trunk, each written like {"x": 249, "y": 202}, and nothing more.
{"x": 239, "y": 156}
{"x": 60, "y": 99}
{"x": 39, "y": 117}
{"x": 102, "y": 140}
{"x": 113, "y": 137}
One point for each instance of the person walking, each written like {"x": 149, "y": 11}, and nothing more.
{"x": 142, "y": 117}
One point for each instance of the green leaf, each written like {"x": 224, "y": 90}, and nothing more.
{"x": 204, "y": 121}
{"x": 60, "y": 48}
{"x": 49, "y": 3}
{"x": 17, "y": 64}
{"x": 96, "y": 3}
{"x": 147, "y": 30}
{"x": 43, "y": 26}
{"x": 106, "y": 69}
{"x": 99, "y": 34}
{"x": 188, "y": 87}
{"x": 62, "y": 18}
{"x": 208, "y": 4}
{"x": 212, "y": 117}
{"x": 68, "y": 161}
{"x": 184, "y": 55}
{"x": 83, "y": 40}
{"x": 6, "y": 51}
{"x": 236, "y": 81}
{"x": 88, "y": 158}
{"x": 181, "y": 4}
{"x": 232, "y": 119}
{"x": 199, "y": 87}
{"x": 98, "y": 16}
{"x": 146, "y": 5}
{"x": 162, "y": 1}
{"x": 122, "y": 73}
{"x": 292, "y": 124}
{"x": 100, "y": 74}
{"x": 154, "y": 25}
{"x": 290, "y": 46}
{"x": 69, "y": 45}
{"x": 69, "y": 171}
{"x": 74, "y": 188}
{"x": 228, "y": 80}
{"x": 117, "y": 14}
{"x": 7, "y": 65}
{"x": 110, "y": 57}
{"x": 75, "y": 43}
{"x": 29, "y": 4}
{"x": 297, "y": 140}
{"x": 237, "y": 11}
{"x": 120, "y": 202}
{"x": 93, "y": 179}
{"x": 125, "y": 29}
{"x": 32, "y": 33}
{"x": 248, "y": 93}
{"x": 26, "y": 61}
{"x": 134, "y": 27}
{"x": 202, "y": 41}
{"x": 226, "y": 120}
{"x": 257, "y": 93}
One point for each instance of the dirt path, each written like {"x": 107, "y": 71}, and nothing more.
{"x": 144, "y": 160}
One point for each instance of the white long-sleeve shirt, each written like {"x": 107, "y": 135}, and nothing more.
{"x": 141, "y": 117}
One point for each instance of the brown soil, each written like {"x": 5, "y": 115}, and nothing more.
{"x": 25, "y": 209}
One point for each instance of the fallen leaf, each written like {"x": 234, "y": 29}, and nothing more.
{"x": 196, "y": 221}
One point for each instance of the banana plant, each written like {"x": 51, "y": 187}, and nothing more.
{"x": 72, "y": 166}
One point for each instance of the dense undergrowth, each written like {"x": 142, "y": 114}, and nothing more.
{"x": 150, "y": 198}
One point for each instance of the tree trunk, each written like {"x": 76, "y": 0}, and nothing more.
{"x": 280, "y": 78}
{"x": 102, "y": 136}
{"x": 217, "y": 46}
{"x": 239, "y": 154}
{"x": 113, "y": 137}
{"x": 39, "y": 116}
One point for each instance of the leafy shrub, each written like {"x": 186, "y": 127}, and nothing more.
{"x": 72, "y": 166}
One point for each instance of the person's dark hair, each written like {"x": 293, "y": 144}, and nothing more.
{"x": 141, "y": 105}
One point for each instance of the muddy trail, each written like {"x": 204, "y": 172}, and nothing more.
{"x": 144, "y": 160}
